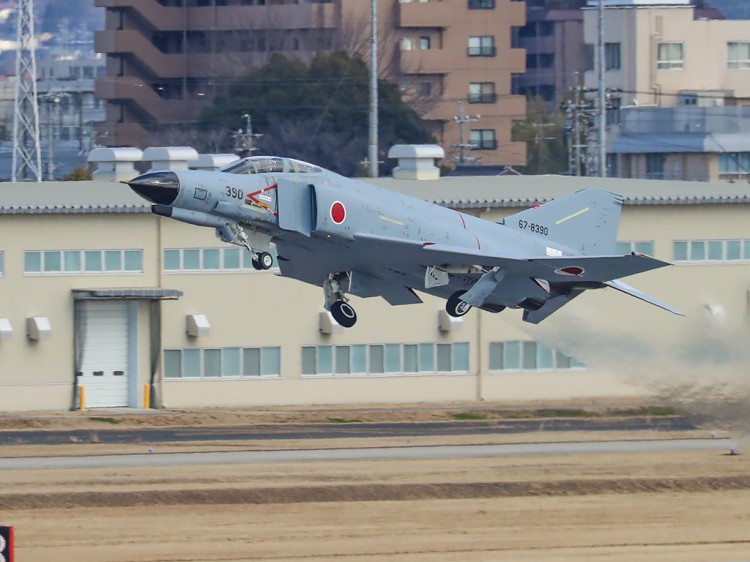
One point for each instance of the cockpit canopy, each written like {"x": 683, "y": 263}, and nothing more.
{"x": 269, "y": 164}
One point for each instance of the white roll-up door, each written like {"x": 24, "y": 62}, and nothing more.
{"x": 104, "y": 361}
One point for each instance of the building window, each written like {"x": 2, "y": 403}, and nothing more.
{"x": 483, "y": 139}
{"x": 635, "y": 246}
{"x": 59, "y": 262}
{"x": 738, "y": 55}
{"x": 482, "y": 92}
{"x": 481, "y": 4}
{"x": 529, "y": 356}
{"x": 612, "y": 56}
{"x": 193, "y": 260}
{"x": 711, "y": 250}
{"x": 234, "y": 362}
{"x": 540, "y": 60}
{"x": 483, "y": 46}
{"x": 655, "y": 166}
{"x": 385, "y": 359}
{"x": 670, "y": 56}
{"x": 424, "y": 43}
{"x": 734, "y": 164}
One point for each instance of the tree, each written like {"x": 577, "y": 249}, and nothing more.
{"x": 317, "y": 112}
{"x": 79, "y": 174}
{"x": 544, "y": 135}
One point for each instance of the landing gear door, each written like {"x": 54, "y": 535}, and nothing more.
{"x": 296, "y": 206}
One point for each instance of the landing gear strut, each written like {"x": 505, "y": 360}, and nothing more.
{"x": 235, "y": 234}
{"x": 336, "y": 300}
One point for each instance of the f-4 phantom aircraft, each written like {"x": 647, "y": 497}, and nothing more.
{"x": 352, "y": 237}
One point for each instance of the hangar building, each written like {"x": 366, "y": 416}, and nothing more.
{"x": 99, "y": 294}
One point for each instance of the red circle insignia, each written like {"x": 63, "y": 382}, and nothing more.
{"x": 338, "y": 212}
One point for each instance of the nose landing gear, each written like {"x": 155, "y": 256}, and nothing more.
{"x": 261, "y": 260}
{"x": 235, "y": 234}
{"x": 336, "y": 301}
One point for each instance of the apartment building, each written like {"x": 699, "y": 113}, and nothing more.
{"x": 167, "y": 59}
{"x": 694, "y": 67}
{"x": 555, "y": 55}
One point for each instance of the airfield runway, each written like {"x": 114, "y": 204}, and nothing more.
{"x": 615, "y": 496}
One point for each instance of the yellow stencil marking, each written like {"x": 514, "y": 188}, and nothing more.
{"x": 574, "y": 215}
{"x": 389, "y": 219}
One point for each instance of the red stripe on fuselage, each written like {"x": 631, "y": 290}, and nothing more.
{"x": 479, "y": 244}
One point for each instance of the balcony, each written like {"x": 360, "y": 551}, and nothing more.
{"x": 484, "y": 144}
{"x": 428, "y": 61}
{"x": 482, "y": 98}
{"x": 135, "y": 45}
{"x": 158, "y": 16}
{"x": 134, "y": 91}
{"x": 488, "y": 51}
{"x": 424, "y": 14}
{"x": 481, "y": 4}
{"x": 196, "y": 18}
{"x": 122, "y": 134}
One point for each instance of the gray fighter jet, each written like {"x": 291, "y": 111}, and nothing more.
{"x": 349, "y": 236}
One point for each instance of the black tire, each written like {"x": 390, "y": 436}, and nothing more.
{"x": 455, "y": 306}
{"x": 266, "y": 260}
{"x": 256, "y": 264}
{"x": 344, "y": 314}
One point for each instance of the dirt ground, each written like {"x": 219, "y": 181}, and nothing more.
{"x": 653, "y": 507}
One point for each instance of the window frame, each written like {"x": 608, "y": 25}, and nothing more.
{"x": 669, "y": 62}
{"x": 89, "y": 262}
{"x": 742, "y": 62}
{"x": 485, "y": 46}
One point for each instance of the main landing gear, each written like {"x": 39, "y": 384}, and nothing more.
{"x": 336, "y": 300}
{"x": 455, "y": 306}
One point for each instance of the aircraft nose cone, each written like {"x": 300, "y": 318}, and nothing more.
{"x": 161, "y": 188}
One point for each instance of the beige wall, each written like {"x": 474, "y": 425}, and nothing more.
{"x": 605, "y": 329}
{"x": 39, "y": 374}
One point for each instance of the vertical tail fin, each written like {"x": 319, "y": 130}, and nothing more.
{"x": 585, "y": 222}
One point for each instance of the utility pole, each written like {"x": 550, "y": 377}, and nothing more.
{"x": 27, "y": 155}
{"x": 372, "y": 153}
{"x": 244, "y": 141}
{"x": 601, "y": 109}
{"x": 462, "y": 119}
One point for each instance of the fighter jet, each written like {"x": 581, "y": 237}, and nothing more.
{"x": 351, "y": 237}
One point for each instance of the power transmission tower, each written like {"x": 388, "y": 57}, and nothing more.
{"x": 27, "y": 155}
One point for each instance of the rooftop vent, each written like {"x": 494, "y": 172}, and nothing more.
{"x": 416, "y": 161}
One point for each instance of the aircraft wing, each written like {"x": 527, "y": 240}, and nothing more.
{"x": 585, "y": 269}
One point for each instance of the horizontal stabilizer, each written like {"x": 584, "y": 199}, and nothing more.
{"x": 633, "y": 292}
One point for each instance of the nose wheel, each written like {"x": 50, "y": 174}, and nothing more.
{"x": 264, "y": 260}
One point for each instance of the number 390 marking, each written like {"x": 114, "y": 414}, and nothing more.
{"x": 235, "y": 193}
{"x": 533, "y": 227}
